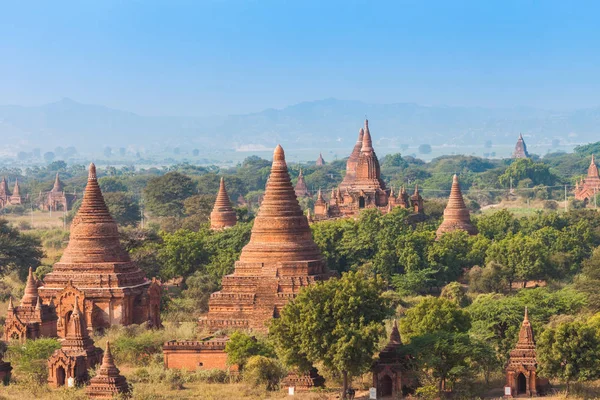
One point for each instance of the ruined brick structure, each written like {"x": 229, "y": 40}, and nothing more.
{"x": 520, "y": 148}
{"x": 5, "y": 369}
{"x": 76, "y": 355}
{"x": 108, "y": 382}
{"x": 391, "y": 375}
{"x": 194, "y": 355}
{"x": 303, "y": 382}
{"x": 522, "y": 364}
{"x": 362, "y": 186}
{"x": 280, "y": 259}
{"x": 587, "y": 188}
{"x": 320, "y": 161}
{"x": 222, "y": 216}
{"x": 301, "y": 189}
{"x": 57, "y": 199}
{"x": 8, "y": 199}
{"x": 456, "y": 213}
{"x": 97, "y": 270}
{"x": 31, "y": 319}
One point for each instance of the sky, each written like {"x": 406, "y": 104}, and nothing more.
{"x": 202, "y": 58}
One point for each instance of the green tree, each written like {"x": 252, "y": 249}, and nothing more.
{"x": 450, "y": 255}
{"x": 123, "y": 207}
{"x": 525, "y": 168}
{"x": 17, "y": 250}
{"x": 497, "y": 225}
{"x": 433, "y": 314}
{"x": 569, "y": 353}
{"x": 264, "y": 371}
{"x": 164, "y": 195}
{"x": 338, "y": 322}
{"x": 242, "y": 346}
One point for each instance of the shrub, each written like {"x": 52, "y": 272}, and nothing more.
{"x": 211, "y": 376}
{"x": 29, "y": 360}
{"x": 550, "y": 205}
{"x": 264, "y": 371}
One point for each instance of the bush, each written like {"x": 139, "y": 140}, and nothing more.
{"x": 550, "y": 205}
{"x": 428, "y": 392}
{"x": 25, "y": 226}
{"x": 211, "y": 376}
{"x": 241, "y": 347}
{"x": 30, "y": 359}
{"x": 264, "y": 371}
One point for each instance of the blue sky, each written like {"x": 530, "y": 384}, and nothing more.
{"x": 225, "y": 57}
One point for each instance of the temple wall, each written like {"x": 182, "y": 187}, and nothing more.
{"x": 195, "y": 359}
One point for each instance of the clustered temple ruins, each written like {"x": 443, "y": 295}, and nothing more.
{"x": 96, "y": 285}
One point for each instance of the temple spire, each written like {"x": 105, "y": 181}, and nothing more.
{"x": 456, "y": 213}
{"x": 16, "y": 190}
{"x": 11, "y": 307}
{"x": 367, "y": 142}
{"x": 222, "y": 215}
{"x": 31, "y": 291}
{"x": 395, "y": 335}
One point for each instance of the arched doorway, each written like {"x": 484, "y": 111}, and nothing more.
{"x": 521, "y": 384}
{"x": 361, "y": 202}
{"x": 60, "y": 376}
{"x": 67, "y": 321}
{"x": 385, "y": 386}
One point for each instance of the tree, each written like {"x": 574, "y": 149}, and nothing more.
{"x": 497, "y": 225}
{"x": 569, "y": 353}
{"x": 18, "y": 251}
{"x": 112, "y": 184}
{"x": 123, "y": 207}
{"x": 525, "y": 168}
{"x": 433, "y": 314}
{"x": 449, "y": 256}
{"x": 264, "y": 371}
{"x": 242, "y": 346}
{"x": 164, "y": 195}
{"x": 337, "y": 322}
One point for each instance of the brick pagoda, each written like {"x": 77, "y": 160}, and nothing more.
{"x": 31, "y": 319}
{"x": 76, "y": 355}
{"x": 320, "y": 161}
{"x": 280, "y": 259}
{"x": 587, "y": 188}
{"x": 8, "y": 199}
{"x": 520, "y": 148}
{"x": 352, "y": 162}
{"x": 57, "y": 199}
{"x": 95, "y": 268}
{"x": 456, "y": 213}
{"x": 108, "y": 382}
{"x": 301, "y": 189}
{"x": 522, "y": 363}
{"x": 391, "y": 376}
{"x": 222, "y": 216}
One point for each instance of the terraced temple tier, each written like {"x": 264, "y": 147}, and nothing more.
{"x": 95, "y": 268}
{"x": 280, "y": 259}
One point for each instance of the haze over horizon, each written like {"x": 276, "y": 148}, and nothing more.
{"x": 239, "y": 57}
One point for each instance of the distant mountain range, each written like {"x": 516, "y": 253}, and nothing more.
{"x": 316, "y": 124}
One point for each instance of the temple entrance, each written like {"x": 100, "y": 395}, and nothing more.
{"x": 385, "y": 386}
{"x": 60, "y": 376}
{"x": 521, "y": 384}
{"x": 361, "y": 202}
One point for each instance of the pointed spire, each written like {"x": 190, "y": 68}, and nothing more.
{"x": 526, "y": 317}
{"x": 280, "y": 231}
{"x": 31, "y": 291}
{"x": 320, "y": 160}
{"x": 38, "y": 304}
{"x": 4, "y": 187}
{"x": 301, "y": 189}
{"x": 320, "y": 195}
{"x": 352, "y": 162}
{"x": 456, "y": 213}
{"x": 11, "y": 307}
{"x": 108, "y": 367}
{"x": 16, "y": 190}
{"x": 395, "y": 335}
{"x": 58, "y": 186}
{"x": 108, "y": 381}
{"x": 593, "y": 170}
{"x": 222, "y": 215}
{"x": 367, "y": 143}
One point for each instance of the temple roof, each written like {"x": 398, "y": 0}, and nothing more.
{"x": 108, "y": 367}
{"x": 592, "y": 169}
{"x": 456, "y": 213}
{"x": 320, "y": 160}
{"x": 17, "y": 189}
{"x": 30, "y": 297}
{"x": 222, "y": 215}
{"x": 94, "y": 256}
{"x": 520, "y": 148}
{"x": 301, "y": 189}
{"x": 367, "y": 142}
{"x": 58, "y": 185}
{"x": 4, "y": 187}
{"x": 280, "y": 232}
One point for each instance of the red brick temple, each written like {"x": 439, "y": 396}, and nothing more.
{"x": 57, "y": 199}
{"x": 6, "y": 197}
{"x": 108, "y": 382}
{"x": 96, "y": 269}
{"x": 520, "y": 148}
{"x": 456, "y": 213}
{"x": 301, "y": 189}
{"x": 522, "y": 364}
{"x": 320, "y": 161}
{"x": 391, "y": 376}
{"x": 587, "y": 188}
{"x": 76, "y": 355}
{"x": 223, "y": 215}
{"x": 31, "y": 319}
{"x": 280, "y": 259}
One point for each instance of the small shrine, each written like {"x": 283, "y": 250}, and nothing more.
{"x": 586, "y": 189}
{"x": 6, "y": 197}
{"x": 456, "y": 213}
{"x": 320, "y": 161}
{"x": 57, "y": 199}
{"x": 31, "y": 319}
{"x": 69, "y": 365}
{"x": 108, "y": 382}
{"x": 223, "y": 215}
{"x": 521, "y": 378}
{"x": 301, "y": 189}
{"x": 391, "y": 376}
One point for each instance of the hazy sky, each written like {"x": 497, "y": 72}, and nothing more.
{"x": 223, "y": 57}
